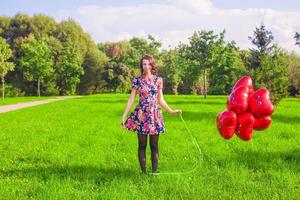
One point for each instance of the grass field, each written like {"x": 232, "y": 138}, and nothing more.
{"x": 76, "y": 149}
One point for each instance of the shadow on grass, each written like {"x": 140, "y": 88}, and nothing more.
{"x": 124, "y": 101}
{"x": 198, "y": 102}
{"x": 108, "y": 101}
{"x": 261, "y": 160}
{"x": 286, "y": 119}
{"x": 198, "y": 97}
{"x": 100, "y": 175}
{"x": 194, "y": 116}
{"x": 293, "y": 99}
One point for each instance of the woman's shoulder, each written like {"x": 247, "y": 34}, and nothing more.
{"x": 159, "y": 78}
{"x": 136, "y": 79}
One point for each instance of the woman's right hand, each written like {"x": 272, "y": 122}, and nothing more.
{"x": 122, "y": 122}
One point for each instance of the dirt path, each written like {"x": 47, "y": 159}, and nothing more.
{"x": 17, "y": 106}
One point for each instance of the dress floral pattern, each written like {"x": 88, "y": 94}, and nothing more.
{"x": 147, "y": 116}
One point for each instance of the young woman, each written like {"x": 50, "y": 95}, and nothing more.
{"x": 147, "y": 118}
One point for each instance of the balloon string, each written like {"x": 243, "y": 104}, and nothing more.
{"x": 200, "y": 154}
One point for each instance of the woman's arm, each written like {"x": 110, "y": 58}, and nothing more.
{"x": 164, "y": 104}
{"x": 129, "y": 104}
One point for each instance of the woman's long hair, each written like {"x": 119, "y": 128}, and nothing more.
{"x": 151, "y": 62}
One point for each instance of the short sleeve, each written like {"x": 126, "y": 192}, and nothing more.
{"x": 135, "y": 83}
{"x": 160, "y": 83}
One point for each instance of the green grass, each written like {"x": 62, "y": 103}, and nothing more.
{"x": 14, "y": 100}
{"x": 76, "y": 149}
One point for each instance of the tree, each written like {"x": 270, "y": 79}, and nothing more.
{"x": 171, "y": 71}
{"x": 117, "y": 77}
{"x": 227, "y": 70}
{"x": 92, "y": 80}
{"x": 43, "y": 26}
{"x": 274, "y": 74}
{"x": 19, "y": 29}
{"x": 124, "y": 57}
{"x": 5, "y": 66}
{"x": 36, "y": 61}
{"x": 140, "y": 47}
{"x": 72, "y": 36}
{"x": 294, "y": 68}
{"x": 202, "y": 51}
{"x": 297, "y": 37}
{"x": 50, "y": 83}
{"x": 268, "y": 65}
{"x": 69, "y": 71}
{"x": 294, "y": 74}
{"x": 262, "y": 40}
{"x": 4, "y": 24}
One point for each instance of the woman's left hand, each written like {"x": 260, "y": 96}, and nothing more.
{"x": 176, "y": 112}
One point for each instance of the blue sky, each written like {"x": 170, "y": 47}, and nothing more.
{"x": 171, "y": 21}
{"x": 9, "y": 8}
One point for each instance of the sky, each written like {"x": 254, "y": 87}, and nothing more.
{"x": 171, "y": 21}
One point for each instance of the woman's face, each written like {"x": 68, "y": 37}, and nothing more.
{"x": 146, "y": 67}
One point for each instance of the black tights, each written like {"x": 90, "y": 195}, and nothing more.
{"x": 142, "y": 140}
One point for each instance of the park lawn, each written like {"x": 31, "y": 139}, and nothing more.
{"x": 15, "y": 100}
{"x": 76, "y": 149}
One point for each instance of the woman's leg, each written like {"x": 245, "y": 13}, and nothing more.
{"x": 142, "y": 139}
{"x": 154, "y": 151}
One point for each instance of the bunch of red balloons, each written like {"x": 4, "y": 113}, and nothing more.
{"x": 247, "y": 110}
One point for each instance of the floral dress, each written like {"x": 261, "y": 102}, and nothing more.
{"x": 147, "y": 116}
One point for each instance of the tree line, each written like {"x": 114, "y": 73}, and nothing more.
{"x": 39, "y": 56}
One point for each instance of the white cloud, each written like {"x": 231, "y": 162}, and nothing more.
{"x": 202, "y": 6}
{"x": 175, "y": 21}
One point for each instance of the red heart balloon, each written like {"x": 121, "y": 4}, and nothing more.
{"x": 246, "y": 81}
{"x": 238, "y": 99}
{"x": 244, "y": 128}
{"x": 262, "y": 123}
{"x": 260, "y": 104}
{"x": 226, "y": 123}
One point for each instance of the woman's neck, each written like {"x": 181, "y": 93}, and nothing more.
{"x": 147, "y": 76}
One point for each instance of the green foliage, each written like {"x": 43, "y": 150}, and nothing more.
{"x": 212, "y": 63}
{"x": 43, "y": 26}
{"x": 72, "y": 36}
{"x": 69, "y": 72}
{"x": 171, "y": 71}
{"x": 268, "y": 65}
{"x": 274, "y": 74}
{"x": 140, "y": 47}
{"x": 124, "y": 58}
{"x": 37, "y": 61}
{"x": 5, "y": 65}
{"x": 117, "y": 77}
{"x": 207, "y": 64}
{"x": 4, "y": 24}
{"x": 21, "y": 28}
{"x": 262, "y": 39}
{"x": 92, "y": 81}
{"x": 227, "y": 70}
{"x": 5, "y": 54}
{"x": 294, "y": 74}
{"x": 297, "y": 37}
